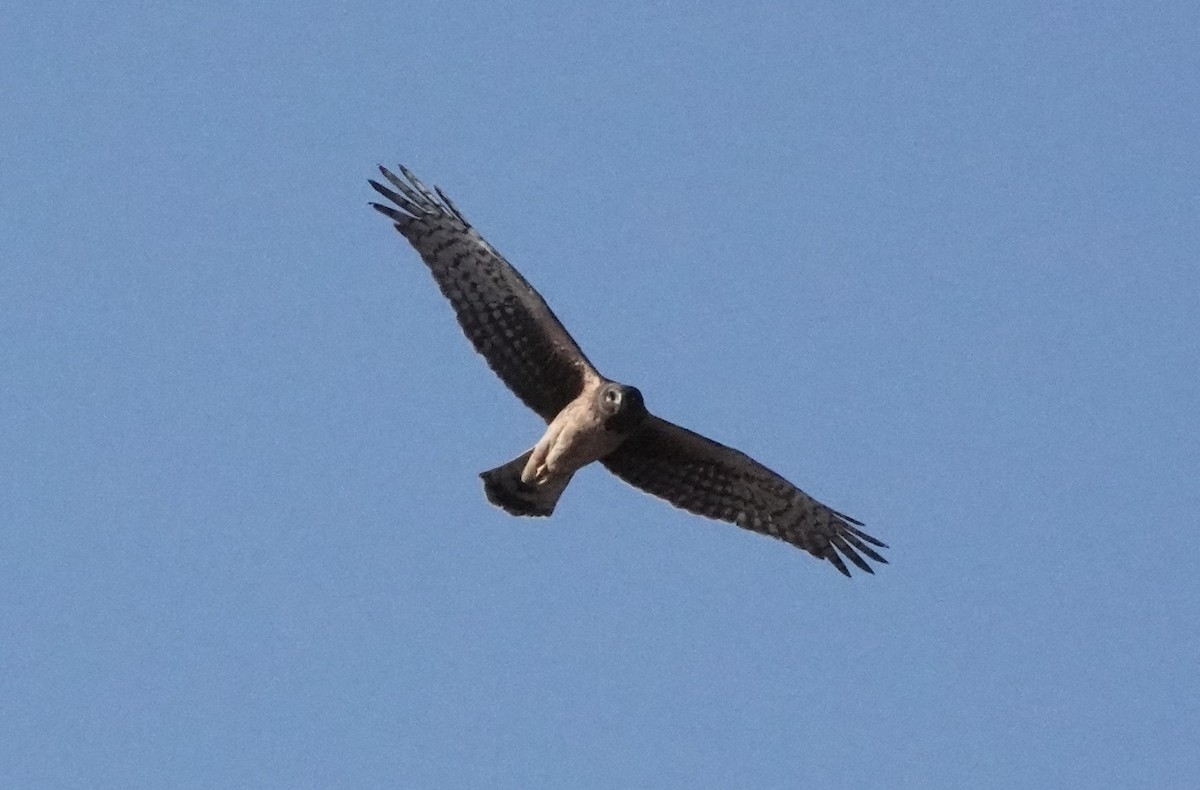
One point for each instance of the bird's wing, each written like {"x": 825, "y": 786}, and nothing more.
{"x": 506, "y": 320}
{"x": 707, "y": 478}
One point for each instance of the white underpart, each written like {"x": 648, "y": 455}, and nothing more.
{"x": 574, "y": 439}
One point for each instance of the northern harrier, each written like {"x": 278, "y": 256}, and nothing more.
{"x": 592, "y": 418}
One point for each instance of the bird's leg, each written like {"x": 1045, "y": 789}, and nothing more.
{"x": 540, "y": 467}
{"x": 535, "y": 463}
{"x": 537, "y": 470}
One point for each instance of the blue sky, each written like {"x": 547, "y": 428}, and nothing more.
{"x": 937, "y": 265}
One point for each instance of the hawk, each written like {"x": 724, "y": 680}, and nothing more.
{"x": 590, "y": 417}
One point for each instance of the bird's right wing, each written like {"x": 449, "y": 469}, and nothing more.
{"x": 506, "y": 320}
{"x": 707, "y": 478}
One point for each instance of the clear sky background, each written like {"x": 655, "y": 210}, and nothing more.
{"x": 938, "y": 266}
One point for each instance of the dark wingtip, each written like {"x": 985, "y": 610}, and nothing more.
{"x": 391, "y": 214}
{"x": 869, "y": 539}
{"x": 842, "y": 545}
{"x": 381, "y": 189}
{"x": 833, "y": 557}
{"x": 850, "y": 538}
{"x": 844, "y": 517}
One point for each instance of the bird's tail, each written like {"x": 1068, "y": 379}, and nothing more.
{"x": 505, "y": 489}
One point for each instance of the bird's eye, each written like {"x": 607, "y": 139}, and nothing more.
{"x": 612, "y": 396}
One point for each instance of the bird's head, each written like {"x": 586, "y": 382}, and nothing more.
{"x": 622, "y": 407}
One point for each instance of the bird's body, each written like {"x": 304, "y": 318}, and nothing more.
{"x": 588, "y": 429}
{"x": 575, "y": 438}
{"x": 589, "y": 417}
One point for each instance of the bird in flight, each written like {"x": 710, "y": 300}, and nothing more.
{"x": 589, "y": 417}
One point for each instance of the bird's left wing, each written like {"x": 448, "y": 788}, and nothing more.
{"x": 707, "y": 478}
{"x": 506, "y": 320}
